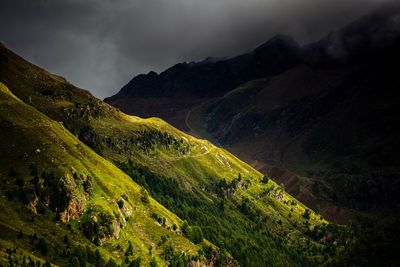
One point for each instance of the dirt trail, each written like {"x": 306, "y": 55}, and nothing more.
{"x": 191, "y": 131}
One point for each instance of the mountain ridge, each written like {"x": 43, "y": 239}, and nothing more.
{"x": 358, "y": 43}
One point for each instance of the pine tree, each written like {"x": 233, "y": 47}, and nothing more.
{"x": 136, "y": 262}
{"x": 145, "y": 195}
{"x": 111, "y": 263}
{"x": 129, "y": 250}
{"x": 153, "y": 262}
{"x": 75, "y": 262}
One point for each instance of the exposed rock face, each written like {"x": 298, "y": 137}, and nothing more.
{"x": 33, "y": 203}
{"x": 75, "y": 208}
{"x": 127, "y": 210}
{"x": 99, "y": 225}
{"x": 65, "y": 196}
{"x": 115, "y": 228}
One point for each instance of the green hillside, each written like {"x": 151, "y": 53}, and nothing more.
{"x": 54, "y": 186}
{"x": 221, "y": 198}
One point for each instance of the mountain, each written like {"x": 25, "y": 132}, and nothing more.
{"x": 322, "y": 123}
{"x": 66, "y": 151}
{"x": 213, "y": 78}
{"x": 60, "y": 197}
{"x": 171, "y": 94}
{"x": 358, "y": 41}
{"x": 336, "y": 130}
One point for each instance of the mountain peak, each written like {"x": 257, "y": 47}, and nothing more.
{"x": 279, "y": 41}
{"x": 359, "y": 40}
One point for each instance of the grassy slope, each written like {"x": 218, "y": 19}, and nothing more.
{"x": 24, "y": 130}
{"x": 195, "y": 164}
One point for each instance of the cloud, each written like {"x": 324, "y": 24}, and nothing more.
{"x": 101, "y": 44}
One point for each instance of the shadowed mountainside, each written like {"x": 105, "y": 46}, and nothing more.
{"x": 314, "y": 117}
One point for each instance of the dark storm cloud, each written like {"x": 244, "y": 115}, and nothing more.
{"x": 101, "y": 44}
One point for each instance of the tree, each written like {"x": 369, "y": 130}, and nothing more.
{"x": 31, "y": 262}
{"x": 136, "y": 262}
{"x": 42, "y": 246}
{"x": 111, "y": 263}
{"x": 91, "y": 256}
{"x": 306, "y": 214}
{"x": 145, "y": 196}
{"x": 317, "y": 208}
{"x": 153, "y": 262}
{"x": 129, "y": 250}
{"x": 223, "y": 256}
{"x": 185, "y": 228}
{"x": 34, "y": 170}
{"x": 120, "y": 203}
{"x": 197, "y": 235}
{"x": 75, "y": 262}
{"x": 20, "y": 234}
{"x": 265, "y": 179}
{"x": 96, "y": 240}
{"x": 221, "y": 205}
{"x": 98, "y": 258}
{"x": 13, "y": 172}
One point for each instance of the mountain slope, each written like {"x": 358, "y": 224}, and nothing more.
{"x": 336, "y": 127}
{"x": 48, "y": 174}
{"x": 231, "y": 203}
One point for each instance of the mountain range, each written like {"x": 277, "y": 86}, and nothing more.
{"x": 85, "y": 184}
{"x": 318, "y": 118}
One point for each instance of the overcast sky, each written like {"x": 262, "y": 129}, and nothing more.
{"x": 100, "y": 45}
